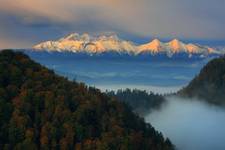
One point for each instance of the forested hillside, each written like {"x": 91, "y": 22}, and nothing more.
{"x": 41, "y": 110}
{"x": 140, "y": 101}
{"x": 209, "y": 85}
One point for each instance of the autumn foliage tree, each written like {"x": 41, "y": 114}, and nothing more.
{"x": 41, "y": 110}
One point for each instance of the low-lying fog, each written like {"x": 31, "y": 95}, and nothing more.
{"x": 190, "y": 125}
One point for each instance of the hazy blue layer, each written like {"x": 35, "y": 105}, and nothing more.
{"x": 110, "y": 70}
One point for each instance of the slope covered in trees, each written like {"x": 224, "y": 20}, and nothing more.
{"x": 140, "y": 101}
{"x": 41, "y": 110}
{"x": 209, "y": 85}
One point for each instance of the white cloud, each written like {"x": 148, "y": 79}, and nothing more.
{"x": 202, "y": 19}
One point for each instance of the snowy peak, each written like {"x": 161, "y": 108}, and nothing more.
{"x": 191, "y": 48}
{"x": 154, "y": 46}
{"x": 175, "y": 45}
{"x": 86, "y": 43}
{"x": 85, "y": 37}
{"x": 71, "y": 37}
{"x": 175, "y": 41}
{"x": 111, "y": 42}
{"x": 109, "y": 37}
{"x": 156, "y": 41}
{"x": 76, "y": 37}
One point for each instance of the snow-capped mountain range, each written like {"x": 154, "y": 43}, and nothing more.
{"x": 111, "y": 43}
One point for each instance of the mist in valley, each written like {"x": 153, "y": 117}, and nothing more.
{"x": 190, "y": 124}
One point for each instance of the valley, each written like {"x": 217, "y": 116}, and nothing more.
{"x": 174, "y": 116}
